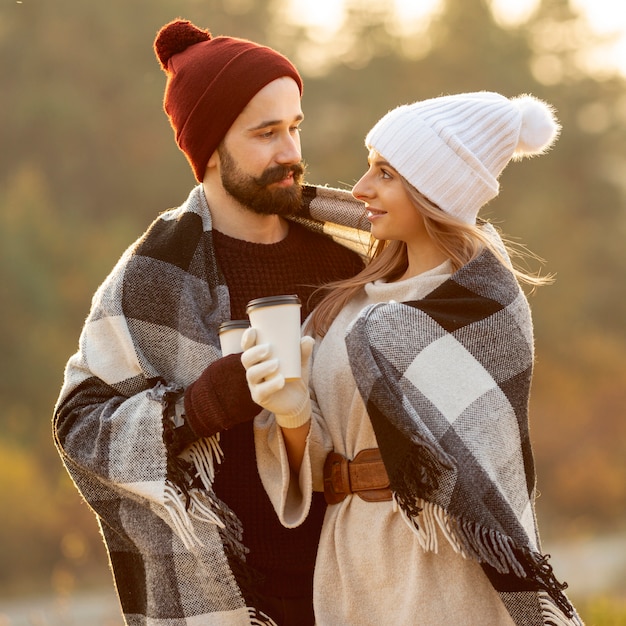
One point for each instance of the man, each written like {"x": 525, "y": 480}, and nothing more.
{"x": 154, "y": 427}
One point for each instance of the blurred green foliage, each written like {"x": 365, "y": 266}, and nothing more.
{"x": 604, "y": 611}
{"x": 88, "y": 160}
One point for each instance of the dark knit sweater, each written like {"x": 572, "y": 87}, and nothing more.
{"x": 301, "y": 262}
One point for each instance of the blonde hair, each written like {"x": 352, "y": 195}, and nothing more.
{"x": 459, "y": 241}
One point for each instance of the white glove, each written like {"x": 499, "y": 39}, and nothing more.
{"x": 288, "y": 400}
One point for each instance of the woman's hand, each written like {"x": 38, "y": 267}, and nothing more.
{"x": 288, "y": 400}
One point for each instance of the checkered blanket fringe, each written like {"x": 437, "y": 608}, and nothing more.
{"x": 328, "y": 210}
{"x": 461, "y": 460}
{"x": 189, "y": 498}
{"x": 119, "y": 402}
{"x": 188, "y": 491}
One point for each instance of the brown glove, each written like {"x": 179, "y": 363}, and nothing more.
{"x": 220, "y": 398}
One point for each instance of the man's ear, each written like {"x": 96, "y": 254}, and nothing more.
{"x": 214, "y": 159}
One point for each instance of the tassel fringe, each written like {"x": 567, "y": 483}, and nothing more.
{"x": 204, "y": 454}
{"x": 487, "y": 546}
{"x": 258, "y": 618}
{"x": 176, "y": 506}
{"x": 193, "y": 504}
{"x": 553, "y": 616}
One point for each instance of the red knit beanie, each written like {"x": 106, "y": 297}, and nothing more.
{"x": 209, "y": 83}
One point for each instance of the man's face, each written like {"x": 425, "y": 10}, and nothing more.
{"x": 260, "y": 158}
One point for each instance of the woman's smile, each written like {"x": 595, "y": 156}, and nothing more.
{"x": 373, "y": 214}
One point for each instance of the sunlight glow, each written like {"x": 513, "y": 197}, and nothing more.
{"x": 323, "y": 19}
{"x": 413, "y": 11}
{"x": 607, "y": 17}
{"x": 413, "y": 17}
{"x": 513, "y": 12}
{"x": 321, "y": 13}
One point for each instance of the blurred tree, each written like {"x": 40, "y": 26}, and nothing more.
{"x": 83, "y": 91}
{"x": 88, "y": 160}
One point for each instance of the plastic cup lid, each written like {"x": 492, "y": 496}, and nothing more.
{"x": 272, "y": 301}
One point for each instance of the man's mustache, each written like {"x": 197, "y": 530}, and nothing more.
{"x": 280, "y": 172}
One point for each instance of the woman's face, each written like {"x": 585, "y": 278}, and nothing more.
{"x": 390, "y": 210}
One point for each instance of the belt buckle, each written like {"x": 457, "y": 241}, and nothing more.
{"x": 336, "y": 478}
{"x": 368, "y": 469}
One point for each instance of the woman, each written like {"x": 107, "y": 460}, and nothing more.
{"x": 416, "y": 423}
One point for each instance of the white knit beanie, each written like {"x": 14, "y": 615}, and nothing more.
{"x": 453, "y": 148}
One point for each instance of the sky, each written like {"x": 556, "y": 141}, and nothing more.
{"x": 605, "y": 17}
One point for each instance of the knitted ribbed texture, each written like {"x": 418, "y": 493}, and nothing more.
{"x": 298, "y": 265}
{"x": 453, "y": 149}
{"x": 209, "y": 83}
{"x": 295, "y": 265}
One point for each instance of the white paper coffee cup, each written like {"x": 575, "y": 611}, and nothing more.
{"x": 276, "y": 320}
{"x": 230, "y": 333}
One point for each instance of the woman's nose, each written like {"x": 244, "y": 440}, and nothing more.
{"x": 362, "y": 188}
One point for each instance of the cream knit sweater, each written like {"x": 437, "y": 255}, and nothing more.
{"x": 371, "y": 568}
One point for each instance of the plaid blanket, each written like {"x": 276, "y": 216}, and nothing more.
{"x": 446, "y": 382}
{"x": 151, "y": 331}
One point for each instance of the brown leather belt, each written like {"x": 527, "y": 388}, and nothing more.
{"x": 365, "y": 476}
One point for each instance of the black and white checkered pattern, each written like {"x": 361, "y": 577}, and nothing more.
{"x": 446, "y": 381}
{"x": 152, "y": 330}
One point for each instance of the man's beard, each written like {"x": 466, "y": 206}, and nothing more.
{"x": 255, "y": 193}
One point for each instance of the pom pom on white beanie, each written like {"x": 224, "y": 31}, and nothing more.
{"x": 453, "y": 148}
